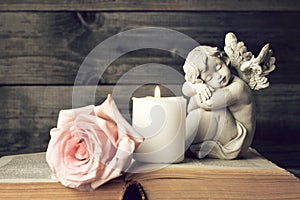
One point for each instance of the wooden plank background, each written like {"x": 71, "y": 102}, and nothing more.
{"x": 43, "y": 44}
{"x": 156, "y": 5}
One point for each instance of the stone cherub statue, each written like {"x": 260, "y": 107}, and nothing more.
{"x": 221, "y": 112}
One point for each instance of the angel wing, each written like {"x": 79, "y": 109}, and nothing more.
{"x": 252, "y": 70}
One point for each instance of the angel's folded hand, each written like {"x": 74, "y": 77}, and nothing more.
{"x": 203, "y": 90}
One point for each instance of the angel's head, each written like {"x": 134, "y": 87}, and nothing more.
{"x": 209, "y": 65}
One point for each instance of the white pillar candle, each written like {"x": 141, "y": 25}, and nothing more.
{"x": 161, "y": 120}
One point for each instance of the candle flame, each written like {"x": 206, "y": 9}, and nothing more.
{"x": 157, "y": 92}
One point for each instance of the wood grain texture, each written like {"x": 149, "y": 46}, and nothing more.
{"x": 157, "y": 5}
{"x": 29, "y": 112}
{"x": 284, "y": 154}
{"x": 277, "y": 107}
{"x": 49, "y": 47}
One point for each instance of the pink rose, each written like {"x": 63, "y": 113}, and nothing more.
{"x": 91, "y": 145}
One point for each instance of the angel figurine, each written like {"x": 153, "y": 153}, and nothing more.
{"x": 221, "y": 112}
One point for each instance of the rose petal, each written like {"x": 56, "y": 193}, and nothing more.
{"x": 69, "y": 115}
{"x": 109, "y": 111}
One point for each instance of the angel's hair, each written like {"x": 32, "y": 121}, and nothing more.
{"x": 196, "y": 61}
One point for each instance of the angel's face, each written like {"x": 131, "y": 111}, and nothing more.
{"x": 216, "y": 74}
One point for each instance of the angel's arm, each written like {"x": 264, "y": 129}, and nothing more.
{"x": 187, "y": 89}
{"x": 203, "y": 90}
{"x": 224, "y": 97}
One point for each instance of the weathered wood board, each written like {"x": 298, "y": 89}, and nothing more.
{"x": 43, "y": 44}
{"x": 31, "y": 111}
{"x": 49, "y": 47}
